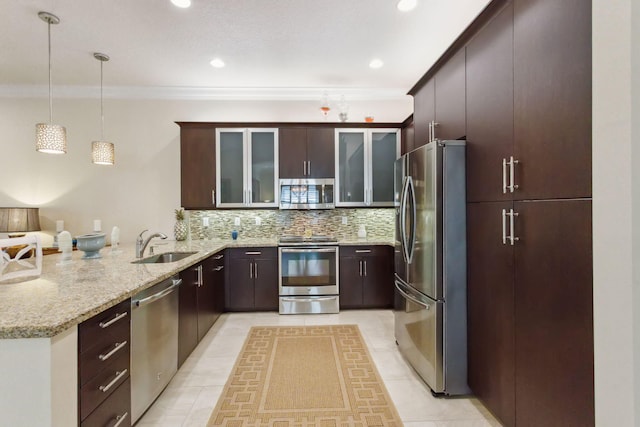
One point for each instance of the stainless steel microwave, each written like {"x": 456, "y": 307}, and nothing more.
{"x": 306, "y": 193}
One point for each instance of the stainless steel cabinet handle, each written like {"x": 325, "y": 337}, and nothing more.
{"x": 512, "y": 237}
{"x": 253, "y": 253}
{"x": 213, "y": 197}
{"x": 120, "y": 419}
{"x": 117, "y": 347}
{"x": 504, "y": 226}
{"x": 200, "y": 281}
{"x": 512, "y": 165}
{"x": 308, "y": 167}
{"x": 360, "y": 268}
{"x": 255, "y": 270}
{"x": 365, "y": 267}
{"x": 249, "y": 201}
{"x": 220, "y": 256}
{"x": 504, "y": 176}
{"x": 218, "y": 268}
{"x": 304, "y": 168}
{"x": 117, "y": 317}
{"x": 251, "y": 270}
{"x": 433, "y": 131}
{"x": 363, "y": 251}
{"x": 119, "y": 375}
{"x": 430, "y": 125}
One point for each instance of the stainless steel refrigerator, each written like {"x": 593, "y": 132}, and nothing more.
{"x": 430, "y": 264}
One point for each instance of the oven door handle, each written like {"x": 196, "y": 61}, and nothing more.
{"x": 306, "y": 251}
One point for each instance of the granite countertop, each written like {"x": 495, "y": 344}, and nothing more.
{"x": 65, "y": 295}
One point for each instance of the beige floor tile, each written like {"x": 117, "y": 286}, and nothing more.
{"x": 194, "y": 391}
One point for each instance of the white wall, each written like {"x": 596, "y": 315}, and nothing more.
{"x": 143, "y": 188}
{"x": 616, "y": 200}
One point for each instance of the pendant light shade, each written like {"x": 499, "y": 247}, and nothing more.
{"x": 50, "y": 138}
{"x": 102, "y": 152}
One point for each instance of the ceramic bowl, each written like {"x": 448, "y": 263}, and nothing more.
{"x": 91, "y": 244}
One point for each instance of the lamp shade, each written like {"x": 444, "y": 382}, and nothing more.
{"x": 19, "y": 219}
{"x": 51, "y": 139}
{"x": 102, "y": 152}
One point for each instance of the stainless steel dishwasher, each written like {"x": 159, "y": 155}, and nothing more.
{"x": 154, "y": 343}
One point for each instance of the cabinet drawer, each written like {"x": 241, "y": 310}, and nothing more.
{"x": 262, "y": 252}
{"x": 114, "y": 411}
{"x": 96, "y": 390}
{"x": 101, "y": 357}
{"x": 361, "y": 251}
{"x": 111, "y": 325}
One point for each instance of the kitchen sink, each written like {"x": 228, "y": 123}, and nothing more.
{"x": 164, "y": 258}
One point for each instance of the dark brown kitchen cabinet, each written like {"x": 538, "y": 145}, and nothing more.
{"x": 252, "y": 279}
{"x": 530, "y": 311}
{"x": 366, "y": 276}
{"x": 407, "y": 136}
{"x": 554, "y": 313}
{"x": 104, "y": 342}
{"x": 491, "y": 310}
{"x": 201, "y": 298}
{"x": 489, "y": 82}
{"x": 424, "y": 113}
{"x": 306, "y": 152}
{"x": 530, "y": 304}
{"x": 450, "y": 99}
{"x": 215, "y": 267}
{"x": 197, "y": 166}
{"x": 552, "y": 98}
{"x": 441, "y": 102}
{"x": 188, "y": 312}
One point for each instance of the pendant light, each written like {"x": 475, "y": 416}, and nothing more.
{"x": 102, "y": 152}
{"x": 50, "y": 138}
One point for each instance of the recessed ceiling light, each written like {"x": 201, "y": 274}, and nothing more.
{"x": 407, "y": 5}
{"x": 217, "y": 63}
{"x": 376, "y": 63}
{"x": 181, "y": 3}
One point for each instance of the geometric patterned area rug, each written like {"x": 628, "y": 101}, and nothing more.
{"x": 305, "y": 376}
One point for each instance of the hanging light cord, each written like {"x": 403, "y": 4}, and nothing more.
{"x": 50, "y": 91}
{"x": 101, "y": 105}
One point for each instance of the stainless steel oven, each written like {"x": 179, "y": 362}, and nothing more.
{"x": 308, "y": 279}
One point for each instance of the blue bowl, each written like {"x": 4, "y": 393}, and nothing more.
{"x": 91, "y": 244}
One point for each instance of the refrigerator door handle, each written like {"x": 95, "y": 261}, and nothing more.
{"x": 410, "y": 298}
{"x": 403, "y": 220}
{"x": 412, "y": 192}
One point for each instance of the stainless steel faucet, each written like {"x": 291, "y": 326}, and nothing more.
{"x": 141, "y": 244}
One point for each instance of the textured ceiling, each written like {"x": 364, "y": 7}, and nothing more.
{"x": 271, "y": 47}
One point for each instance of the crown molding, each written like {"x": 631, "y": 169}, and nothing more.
{"x": 206, "y": 93}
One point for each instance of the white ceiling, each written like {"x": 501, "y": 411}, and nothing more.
{"x": 280, "y": 49}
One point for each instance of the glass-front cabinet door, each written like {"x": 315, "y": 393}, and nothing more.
{"x": 365, "y": 161}
{"x": 246, "y": 165}
{"x": 350, "y": 167}
{"x": 263, "y": 164}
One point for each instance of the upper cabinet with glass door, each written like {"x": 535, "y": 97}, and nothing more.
{"x": 364, "y": 166}
{"x": 246, "y": 167}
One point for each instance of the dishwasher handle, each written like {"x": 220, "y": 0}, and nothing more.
{"x": 163, "y": 293}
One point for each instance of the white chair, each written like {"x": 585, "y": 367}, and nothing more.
{"x": 17, "y": 269}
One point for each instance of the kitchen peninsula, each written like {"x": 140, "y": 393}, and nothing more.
{"x": 39, "y": 322}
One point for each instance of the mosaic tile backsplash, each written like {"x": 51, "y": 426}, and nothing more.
{"x": 379, "y": 223}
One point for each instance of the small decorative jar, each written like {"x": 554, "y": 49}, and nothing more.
{"x": 180, "y": 227}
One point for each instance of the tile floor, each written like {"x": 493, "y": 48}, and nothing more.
{"x": 192, "y": 394}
